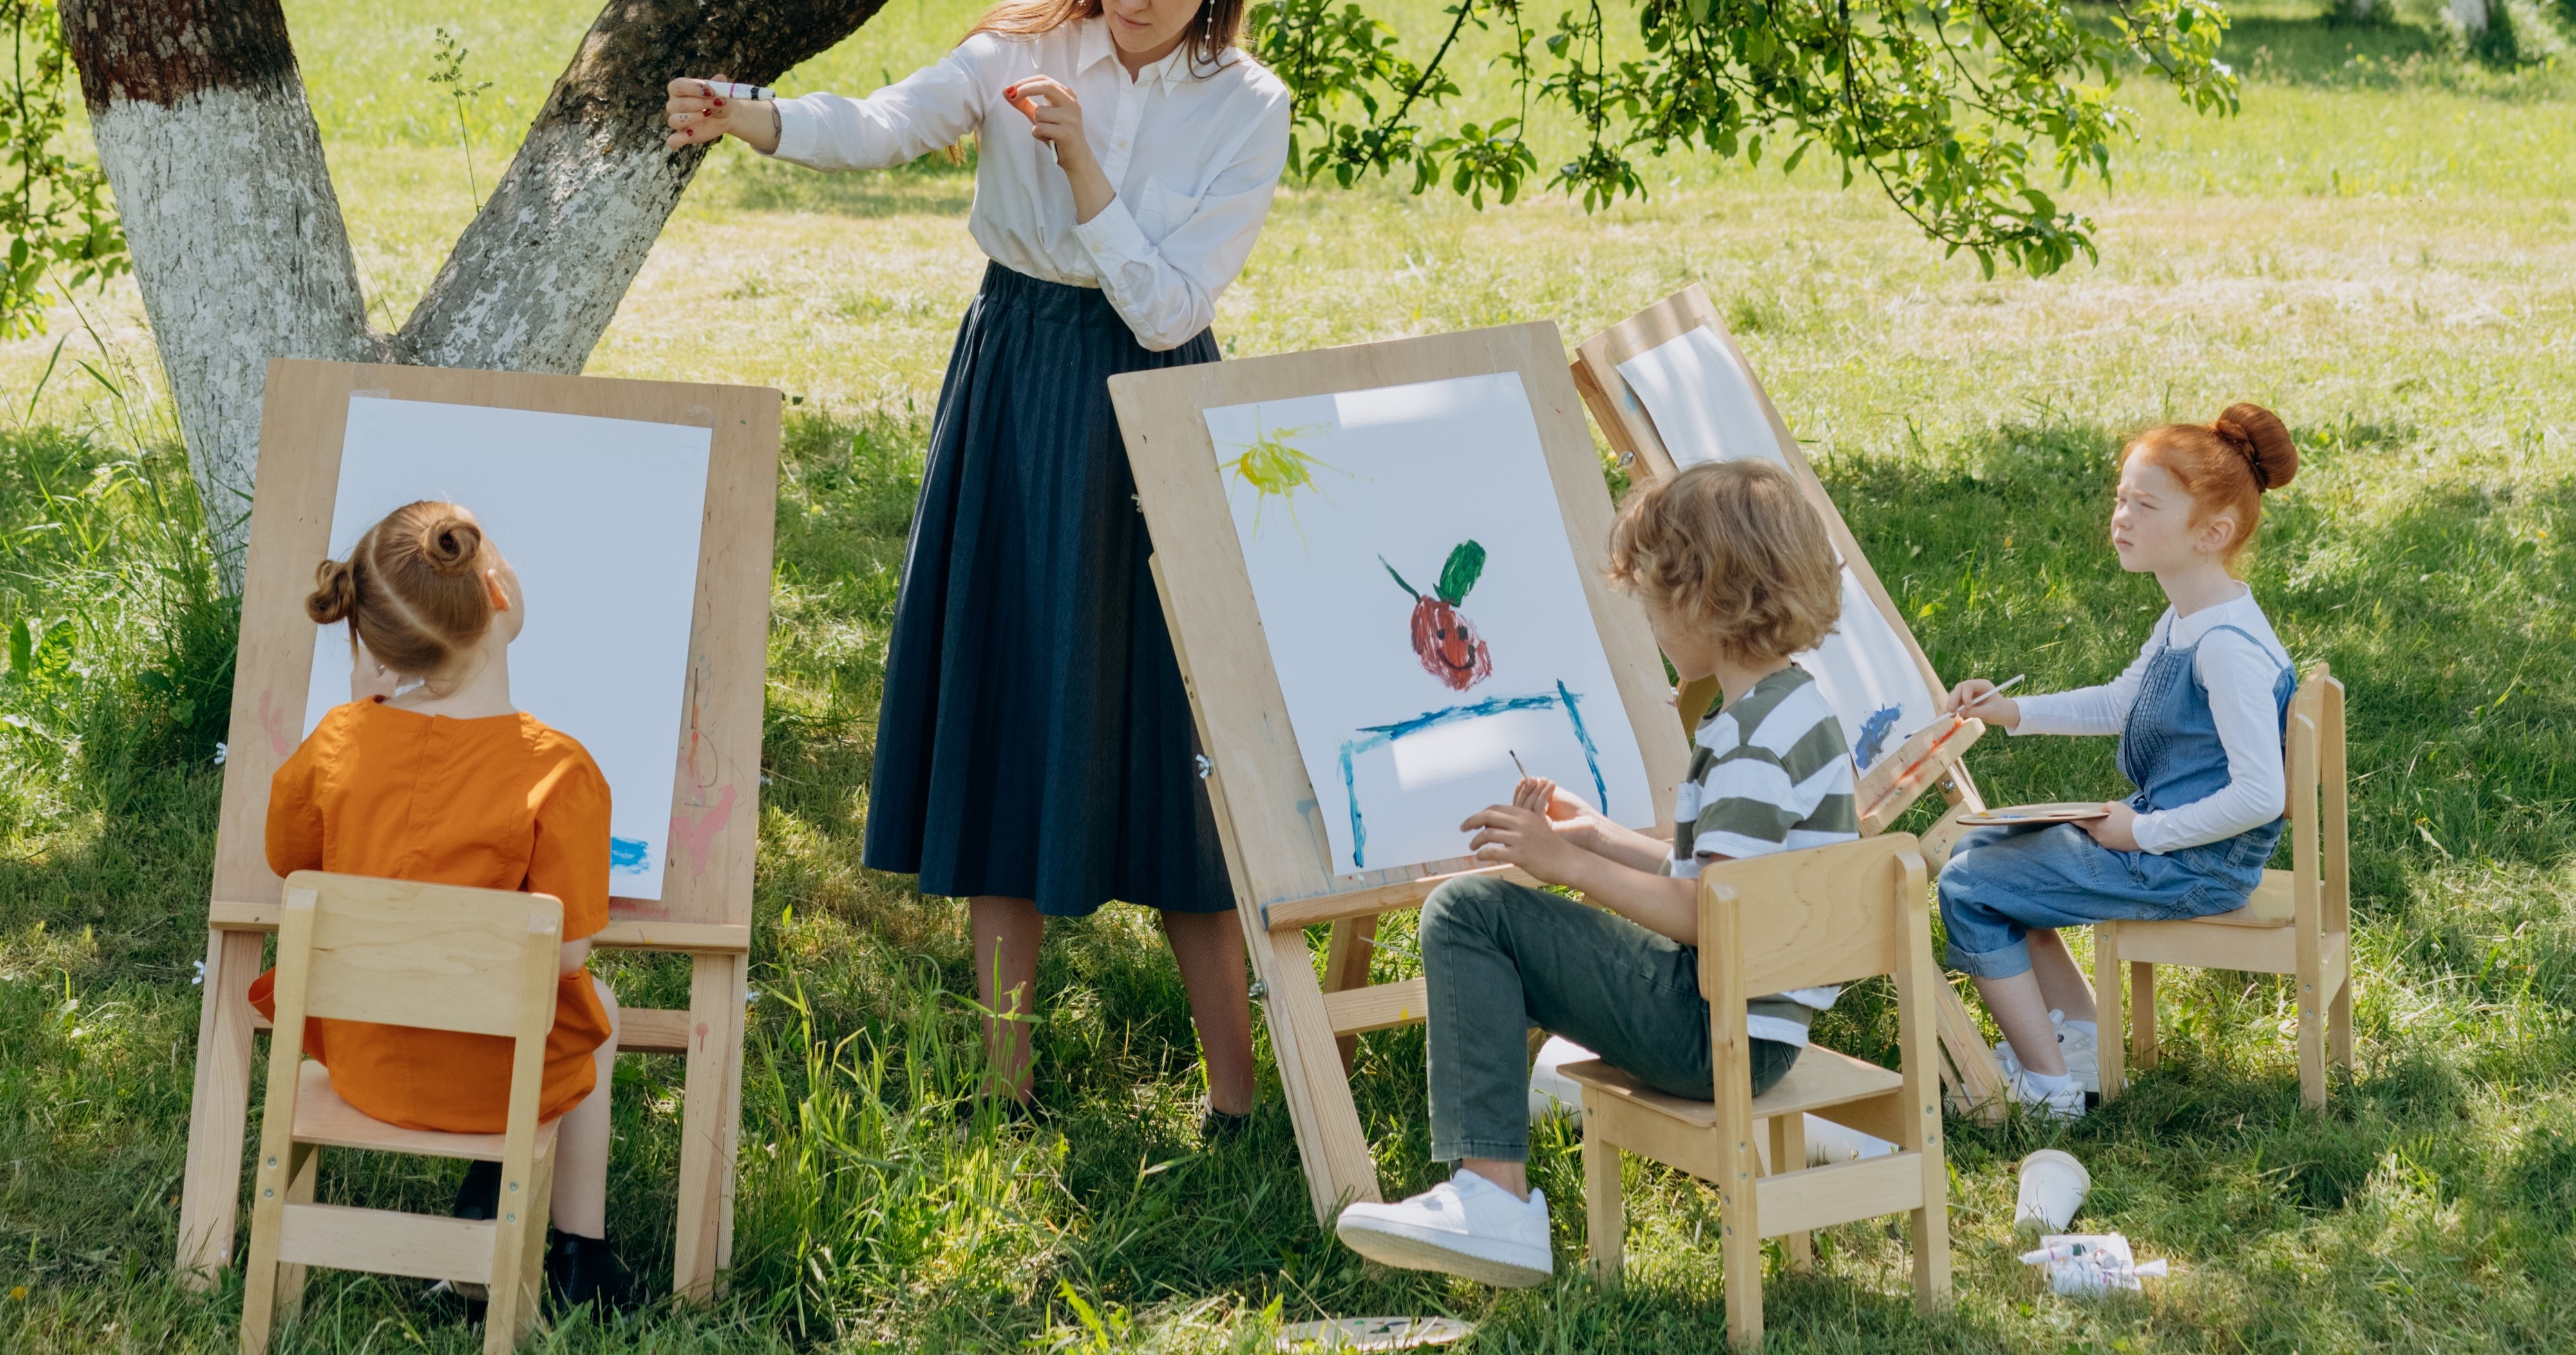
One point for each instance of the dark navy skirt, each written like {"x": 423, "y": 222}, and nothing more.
{"x": 1035, "y": 741}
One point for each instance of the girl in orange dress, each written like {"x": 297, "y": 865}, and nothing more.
{"x": 430, "y": 774}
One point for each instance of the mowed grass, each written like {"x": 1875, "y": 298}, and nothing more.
{"x": 2381, "y": 248}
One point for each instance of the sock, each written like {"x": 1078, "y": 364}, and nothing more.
{"x": 2044, "y": 1084}
{"x": 2087, "y": 1027}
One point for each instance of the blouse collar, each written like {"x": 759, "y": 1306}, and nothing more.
{"x": 1095, "y": 46}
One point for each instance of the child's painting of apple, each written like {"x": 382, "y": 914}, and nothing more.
{"x": 1445, "y": 642}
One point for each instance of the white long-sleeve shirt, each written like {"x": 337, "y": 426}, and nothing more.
{"x": 1195, "y": 158}
{"x": 2239, "y": 675}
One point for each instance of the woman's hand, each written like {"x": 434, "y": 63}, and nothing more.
{"x": 697, "y": 116}
{"x": 1974, "y": 699}
{"x": 1574, "y": 820}
{"x": 2118, "y": 831}
{"x": 1055, "y": 117}
{"x": 1513, "y": 835}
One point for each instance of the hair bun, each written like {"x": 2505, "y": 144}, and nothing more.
{"x": 451, "y": 545}
{"x": 2263, "y": 440}
{"x": 335, "y": 593}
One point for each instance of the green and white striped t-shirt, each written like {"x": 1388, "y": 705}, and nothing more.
{"x": 1770, "y": 773}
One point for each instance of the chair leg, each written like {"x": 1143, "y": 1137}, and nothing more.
{"x": 1789, "y": 1154}
{"x": 2339, "y": 1014}
{"x": 2112, "y": 1041}
{"x": 1605, "y": 1209}
{"x": 2312, "y": 1044}
{"x": 2142, "y": 1014}
{"x": 532, "y": 1263}
{"x": 307, "y": 1169}
{"x": 1931, "y": 1229}
{"x": 1740, "y": 1247}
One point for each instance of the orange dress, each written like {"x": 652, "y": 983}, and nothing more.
{"x": 502, "y": 802}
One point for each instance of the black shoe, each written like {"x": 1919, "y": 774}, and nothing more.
{"x": 1219, "y": 1126}
{"x": 583, "y": 1270}
{"x": 478, "y": 1197}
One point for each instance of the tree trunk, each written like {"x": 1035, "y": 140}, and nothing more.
{"x": 538, "y": 275}
{"x": 203, "y": 129}
{"x": 199, "y": 115}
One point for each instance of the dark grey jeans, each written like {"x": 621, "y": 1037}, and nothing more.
{"x": 1499, "y": 958}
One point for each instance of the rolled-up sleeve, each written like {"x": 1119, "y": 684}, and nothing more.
{"x": 1167, "y": 291}
{"x": 931, "y": 108}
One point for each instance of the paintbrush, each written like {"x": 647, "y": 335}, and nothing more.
{"x": 1516, "y": 764}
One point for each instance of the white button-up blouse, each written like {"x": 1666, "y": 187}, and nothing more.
{"x": 1195, "y": 159}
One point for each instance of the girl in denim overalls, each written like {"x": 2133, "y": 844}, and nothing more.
{"x": 2200, "y": 716}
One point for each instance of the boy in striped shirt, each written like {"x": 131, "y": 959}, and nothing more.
{"x": 1736, "y": 575}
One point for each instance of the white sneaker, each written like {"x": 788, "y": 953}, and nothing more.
{"x": 2083, "y": 1055}
{"x": 2065, "y": 1103}
{"x": 1552, "y": 1092}
{"x": 2078, "y": 1047}
{"x": 1466, "y": 1225}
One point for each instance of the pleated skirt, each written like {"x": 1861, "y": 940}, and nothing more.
{"x": 1035, "y": 740}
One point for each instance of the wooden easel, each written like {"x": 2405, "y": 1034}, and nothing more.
{"x": 1266, "y": 809}
{"x": 705, "y": 908}
{"x": 1971, "y": 1075}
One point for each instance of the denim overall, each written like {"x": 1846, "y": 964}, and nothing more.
{"x": 2001, "y": 882}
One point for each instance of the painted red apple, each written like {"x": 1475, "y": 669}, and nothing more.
{"x": 1444, "y": 641}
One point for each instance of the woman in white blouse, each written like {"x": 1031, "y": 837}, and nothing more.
{"x": 1035, "y": 749}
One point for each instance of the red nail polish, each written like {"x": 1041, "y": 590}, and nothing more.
{"x": 719, "y": 103}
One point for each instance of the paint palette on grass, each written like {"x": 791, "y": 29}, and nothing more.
{"x": 1423, "y": 611}
{"x": 601, "y": 518}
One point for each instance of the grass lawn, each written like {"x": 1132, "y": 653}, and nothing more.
{"x": 2382, "y": 247}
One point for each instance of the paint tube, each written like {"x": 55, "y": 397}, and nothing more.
{"x": 725, "y": 89}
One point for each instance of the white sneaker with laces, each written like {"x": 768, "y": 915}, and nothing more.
{"x": 1466, "y": 1226}
{"x": 2065, "y": 1103}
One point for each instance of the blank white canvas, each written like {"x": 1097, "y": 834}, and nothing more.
{"x": 1706, "y": 408}
{"x": 1408, "y": 472}
{"x": 601, "y": 518}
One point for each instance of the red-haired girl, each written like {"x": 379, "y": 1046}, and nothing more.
{"x": 429, "y": 773}
{"x": 2200, "y": 715}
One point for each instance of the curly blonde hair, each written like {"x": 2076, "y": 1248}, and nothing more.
{"x": 1734, "y": 550}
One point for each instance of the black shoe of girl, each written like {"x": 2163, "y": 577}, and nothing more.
{"x": 1218, "y": 1126}
{"x": 583, "y": 1270}
{"x": 478, "y": 1197}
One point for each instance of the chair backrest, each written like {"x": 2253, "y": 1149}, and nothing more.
{"x": 2318, "y": 799}
{"x": 437, "y": 957}
{"x": 1821, "y": 916}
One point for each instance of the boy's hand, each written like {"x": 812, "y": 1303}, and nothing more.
{"x": 1573, "y": 819}
{"x": 2119, "y": 831}
{"x": 1513, "y": 835}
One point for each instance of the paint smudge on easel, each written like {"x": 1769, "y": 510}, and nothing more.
{"x": 696, "y": 836}
{"x": 273, "y": 722}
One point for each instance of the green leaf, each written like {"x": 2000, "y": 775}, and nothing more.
{"x": 1466, "y": 565}
{"x": 1410, "y": 590}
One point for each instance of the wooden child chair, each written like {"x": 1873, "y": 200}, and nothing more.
{"x": 438, "y": 957}
{"x": 1793, "y": 920}
{"x": 2298, "y": 921}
